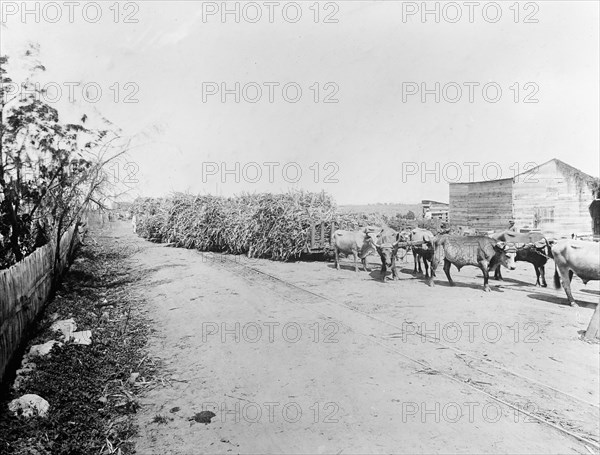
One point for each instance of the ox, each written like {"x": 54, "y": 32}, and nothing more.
{"x": 359, "y": 243}
{"x": 424, "y": 251}
{"x": 532, "y": 247}
{"x": 387, "y": 247}
{"x": 575, "y": 256}
{"x": 479, "y": 251}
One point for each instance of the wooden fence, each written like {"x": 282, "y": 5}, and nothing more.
{"x": 24, "y": 289}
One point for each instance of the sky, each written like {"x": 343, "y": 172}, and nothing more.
{"x": 358, "y": 117}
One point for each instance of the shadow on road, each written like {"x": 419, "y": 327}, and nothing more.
{"x": 348, "y": 266}
{"x": 559, "y": 300}
{"x": 510, "y": 280}
{"x": 590, "y": 291}
{"x": 439, "y": 281}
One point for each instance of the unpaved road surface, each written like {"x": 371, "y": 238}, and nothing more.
{"x": 302, "y": 358}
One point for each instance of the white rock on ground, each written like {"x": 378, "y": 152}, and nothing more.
{"x": 43, "y": 349}
{"x": 83, "y": 337}
{"x": 29, "y": 405}
{"x": 66, "y": 327}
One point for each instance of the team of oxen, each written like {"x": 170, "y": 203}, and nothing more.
{"x": 488, "y": 253}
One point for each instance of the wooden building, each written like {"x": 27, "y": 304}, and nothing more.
{"x": 553, "y": 197}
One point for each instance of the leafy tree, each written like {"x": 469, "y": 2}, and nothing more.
{"x": 49, "y": 170}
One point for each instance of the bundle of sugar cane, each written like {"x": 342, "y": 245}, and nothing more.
{"x": 274, "y": 226}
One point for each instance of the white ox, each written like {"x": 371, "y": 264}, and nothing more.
{"x": 575, "y": 256}
{"x": 358, "y": 243}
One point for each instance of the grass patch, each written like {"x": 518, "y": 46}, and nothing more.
{"x": 92, "y": 401}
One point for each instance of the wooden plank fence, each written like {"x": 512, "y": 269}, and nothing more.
{"x": 24, "y": 289}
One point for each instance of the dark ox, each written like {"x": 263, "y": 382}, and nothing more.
{"x": 425, "y": 251}
{"x": 479, "y": 251}
{"x": 532, "y": 247}
{"x": 575, "y": 256}
{"x": 358, "y": 243}
{"x": 387, "y": 247}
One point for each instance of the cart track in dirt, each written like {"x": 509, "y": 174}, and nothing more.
{"x": 578, "y": 421}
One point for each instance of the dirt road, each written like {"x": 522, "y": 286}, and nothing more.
{"x": 301, "y": 358}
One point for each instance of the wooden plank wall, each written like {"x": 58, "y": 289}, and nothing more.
{"x": 548, "y": 190}
{"x": 481, "y": 205}
{"x": 24, "y": 289}
{"x": 595, "y": 214}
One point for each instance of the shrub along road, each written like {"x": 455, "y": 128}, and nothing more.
{"x": 328, "y": 361}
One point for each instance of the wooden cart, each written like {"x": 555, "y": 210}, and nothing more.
{"x": 321, "y": 237}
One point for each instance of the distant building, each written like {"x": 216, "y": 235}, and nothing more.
{"x": 435, "y": 210}
{"x": 553, "y": 197}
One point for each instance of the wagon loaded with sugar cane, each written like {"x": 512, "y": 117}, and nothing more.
{"x": 264, "y": 225}
{"x": 273, "y": 226}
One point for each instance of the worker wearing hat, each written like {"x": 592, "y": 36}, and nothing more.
{"x": 511, "y": 226}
